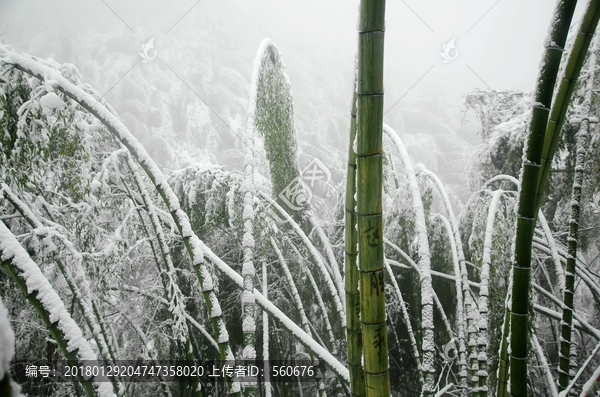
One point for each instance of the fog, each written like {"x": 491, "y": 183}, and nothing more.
{"x": 203, "y": 52}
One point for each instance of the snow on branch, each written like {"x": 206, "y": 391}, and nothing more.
{"x": 51, "y": 307}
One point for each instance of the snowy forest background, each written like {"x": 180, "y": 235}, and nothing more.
{"x": 145, "y": 200}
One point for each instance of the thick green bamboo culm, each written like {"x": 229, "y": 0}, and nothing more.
{"x": 353, "y": 330}
{"x": 565, "y": 91}
{"x": 526, "y": 210}
{"x": 369, "y": 187}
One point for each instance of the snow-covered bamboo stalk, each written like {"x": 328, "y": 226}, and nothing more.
{"x": 427, "y": 344}
{"x": 353, "y": 330}
{"x": 580, "y": 267}
{"x": 304, "y": 321}
{"x": 503, "y": 354}
{"x": 292, "y": 285}
{"x": 320, "y": 384}
{"x": 573, "y": 237}
{"x": 247, "y": 189}
{"x": 470, "y": 314}
{"x": 434, "y": 273}
{"x": 318, "y": 260}
{"x": 460, "y": 316}
{"x": 484, "y": 291}
{"x": 526, "y": 208}
{"x": 77, "y": 282}
{"x": 333, "y": 264}
{"x": 51, "y": 309}
{"x": 191, "y": 242}
{"x": 265, "y": 322}
{"x": 172, "y": 291}
{"x": 302, "y": 337}
{"x": 578, "y": 324}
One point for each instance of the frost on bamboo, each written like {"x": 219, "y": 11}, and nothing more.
{"x": 427, "y": 345}
{"x": 49, "y": 306}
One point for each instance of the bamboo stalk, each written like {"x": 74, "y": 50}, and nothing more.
{"x": 566, "y": 87}
{"x": 265, "y": 319}
{"x": 317, "y": 294}
{"x": 573, "y": 237}
{"x": 353, "y": 329}
{"x": 145, "y": 341}
{"x": 248, "y": 270}
{"x": 165, "y": 302}
{"x": 484, "y": 291}
{"x": 545, "y": 367}
{"x": 526, "y": 209}
{"x": 463, "y": 290}
{"x": 427, "y": 292}
{"x": 369, "y": 185}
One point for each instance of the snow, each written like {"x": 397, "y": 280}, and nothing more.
{"x": 95, "y": 186}
{"x": 248, "y": 212}
{"x": 248, "y": 325}
{"x": 216, "y": 308}
{"x": 35, "y": 281}
{"x": 249, "y": 353}
{"x": 51, "y": 101}
{"x": 262, "y": 52}
{"x": 247, "y": 297}
{"x": 223, "y": 334}
{"x": 248, "y": 240}
{"x": 7, "y": 341}
{"x": 428, "y": 345}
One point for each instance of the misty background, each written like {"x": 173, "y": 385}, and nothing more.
{"x": 188, "y": 104}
